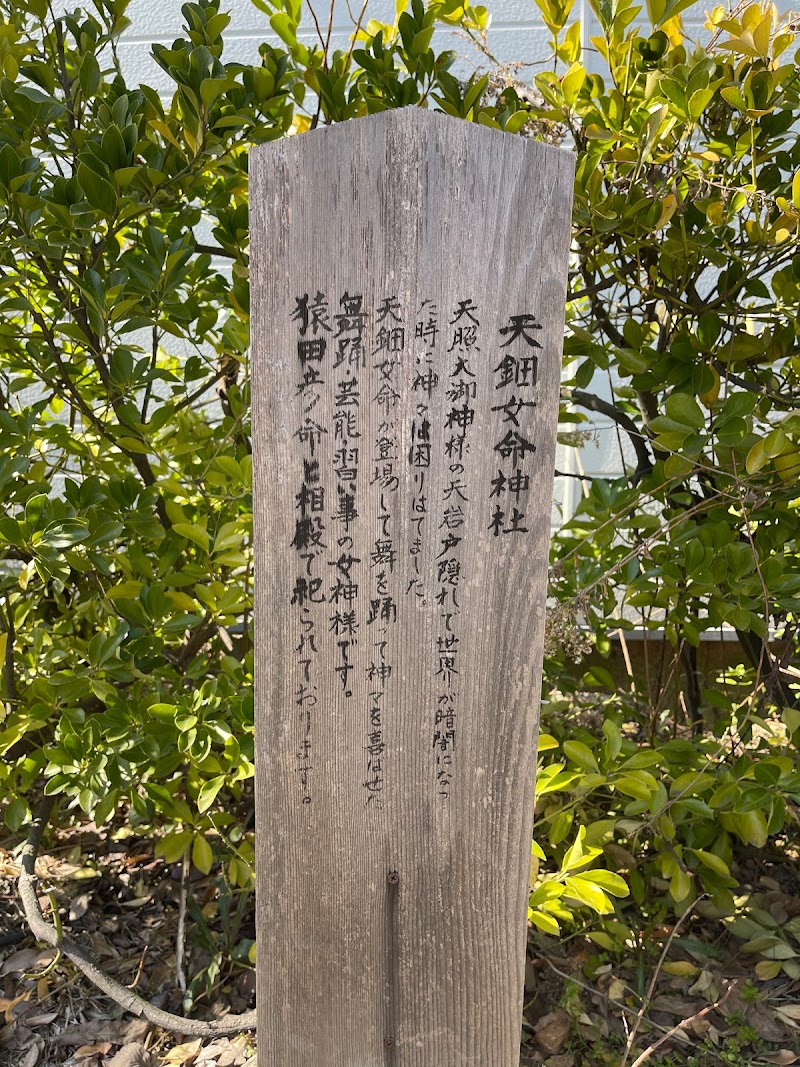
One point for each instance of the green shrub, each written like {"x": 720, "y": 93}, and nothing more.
{"x": 125, "y": 461}
{"x": 685, "y": 306}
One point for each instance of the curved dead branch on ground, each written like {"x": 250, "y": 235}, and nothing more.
{"x": 44, "y": 931}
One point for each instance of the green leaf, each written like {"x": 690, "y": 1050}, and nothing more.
{"x": 106, "y": 807}
{"x": 581, "y": 754}
{"x": 230, "y": 535}
{"x": 586, "y": 892}
{"x": 756, "y": 458}
{"x": 546, "y": 893}
{"x": 633, "y": 785}
{"x": 691, "y": 783}
{"x": 680, "y": 885}
{"x": 713, "y": 862}
{"x": 285, "y": 27}
{"x": 175, "y": 845}
{"x": 545, "y": 922}
{"x": 11, "y": 531}
{"x": 574, "y": 856}
{"x": 163, "y": 711}
{"x": 560, "y": 827}
{"x": 202, "y": 853}
{"x": 63, "y": 534}
{"x": 684, "y": 409}
{"x": 16, "y": 814}
{"x": 99, "y": 192}
{"x": 677, "y": 466}
{"x": 193, "y": 533}
{"x": 608, "y": 881}
{"x": 613, "y": 744}
{"x": 89, "y": 74}
{"x": 750, "y": 826}
{"x": 208, "y": 792}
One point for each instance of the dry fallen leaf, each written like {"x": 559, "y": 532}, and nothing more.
{"x": 118, "y": 1032}
{"x": 182, "y": 1054}
{"x": 783, "y": 1057}
{"x": 90, "y": 1051}
{"x": 133, "y": 1055}
{"x": 78, "y": 906}
{"x": 8, "y": 1013}
{"x": 27, "y": 959}
{"x": 678, "y": 1006}
{"x": 31, "y": 1057}
{"x": 223, "y": 1052}
{"x": 41, "y": 1020}
{"x": 768, "y": 1026}
{"x": 681, "y": 968}
{"x": 617, "y": 990}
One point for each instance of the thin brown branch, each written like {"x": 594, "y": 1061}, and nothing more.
{"x": 11, "y": 636}
{"x": 644, "y": 462}
{"x": 651, "y": 988}
{"x": 355, "y": 31}
{"x": 319, "y": 32}
{"x": 128, "y": 1000}
{"x": 330, "y": 31}
{"x": 604, "y": 320}
{"x": 200, "y": 636}
{"x": 180, "y": 937}
{"x": 213, "y": 250}
{"x": 683, "y": 1025}
{"x": 200, "y": 391}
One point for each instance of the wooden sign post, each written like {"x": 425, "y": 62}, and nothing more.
{"x": 408, "y": 284}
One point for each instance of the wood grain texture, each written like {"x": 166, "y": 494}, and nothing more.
{"x": 394, "y": 809}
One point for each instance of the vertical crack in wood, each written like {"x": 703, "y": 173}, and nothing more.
{"x": 392, "y": 976}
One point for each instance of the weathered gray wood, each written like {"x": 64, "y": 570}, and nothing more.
{"x": 393, "y": 850}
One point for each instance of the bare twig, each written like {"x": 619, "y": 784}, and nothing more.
{"x": 197, "y": 639}
{"x": 644, "y": 462}
{"x": 149, "y": 387}
{"x": 355, "y": 31}
{"x": 330, "y": 31}
{"x": 139, "y": 969}
{"x": 623, "y": 1008}
{"x": 192, "y": 397}
{"x": 579, "y": 477}
{"x": 180, "y": 939}
{"x": 130, "y": 1001}
{"x": 319, "y": 33}
{"x": 651, "y": 988}
{"x": 683, "y": 1025}
{"x": 11, "y": 636}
